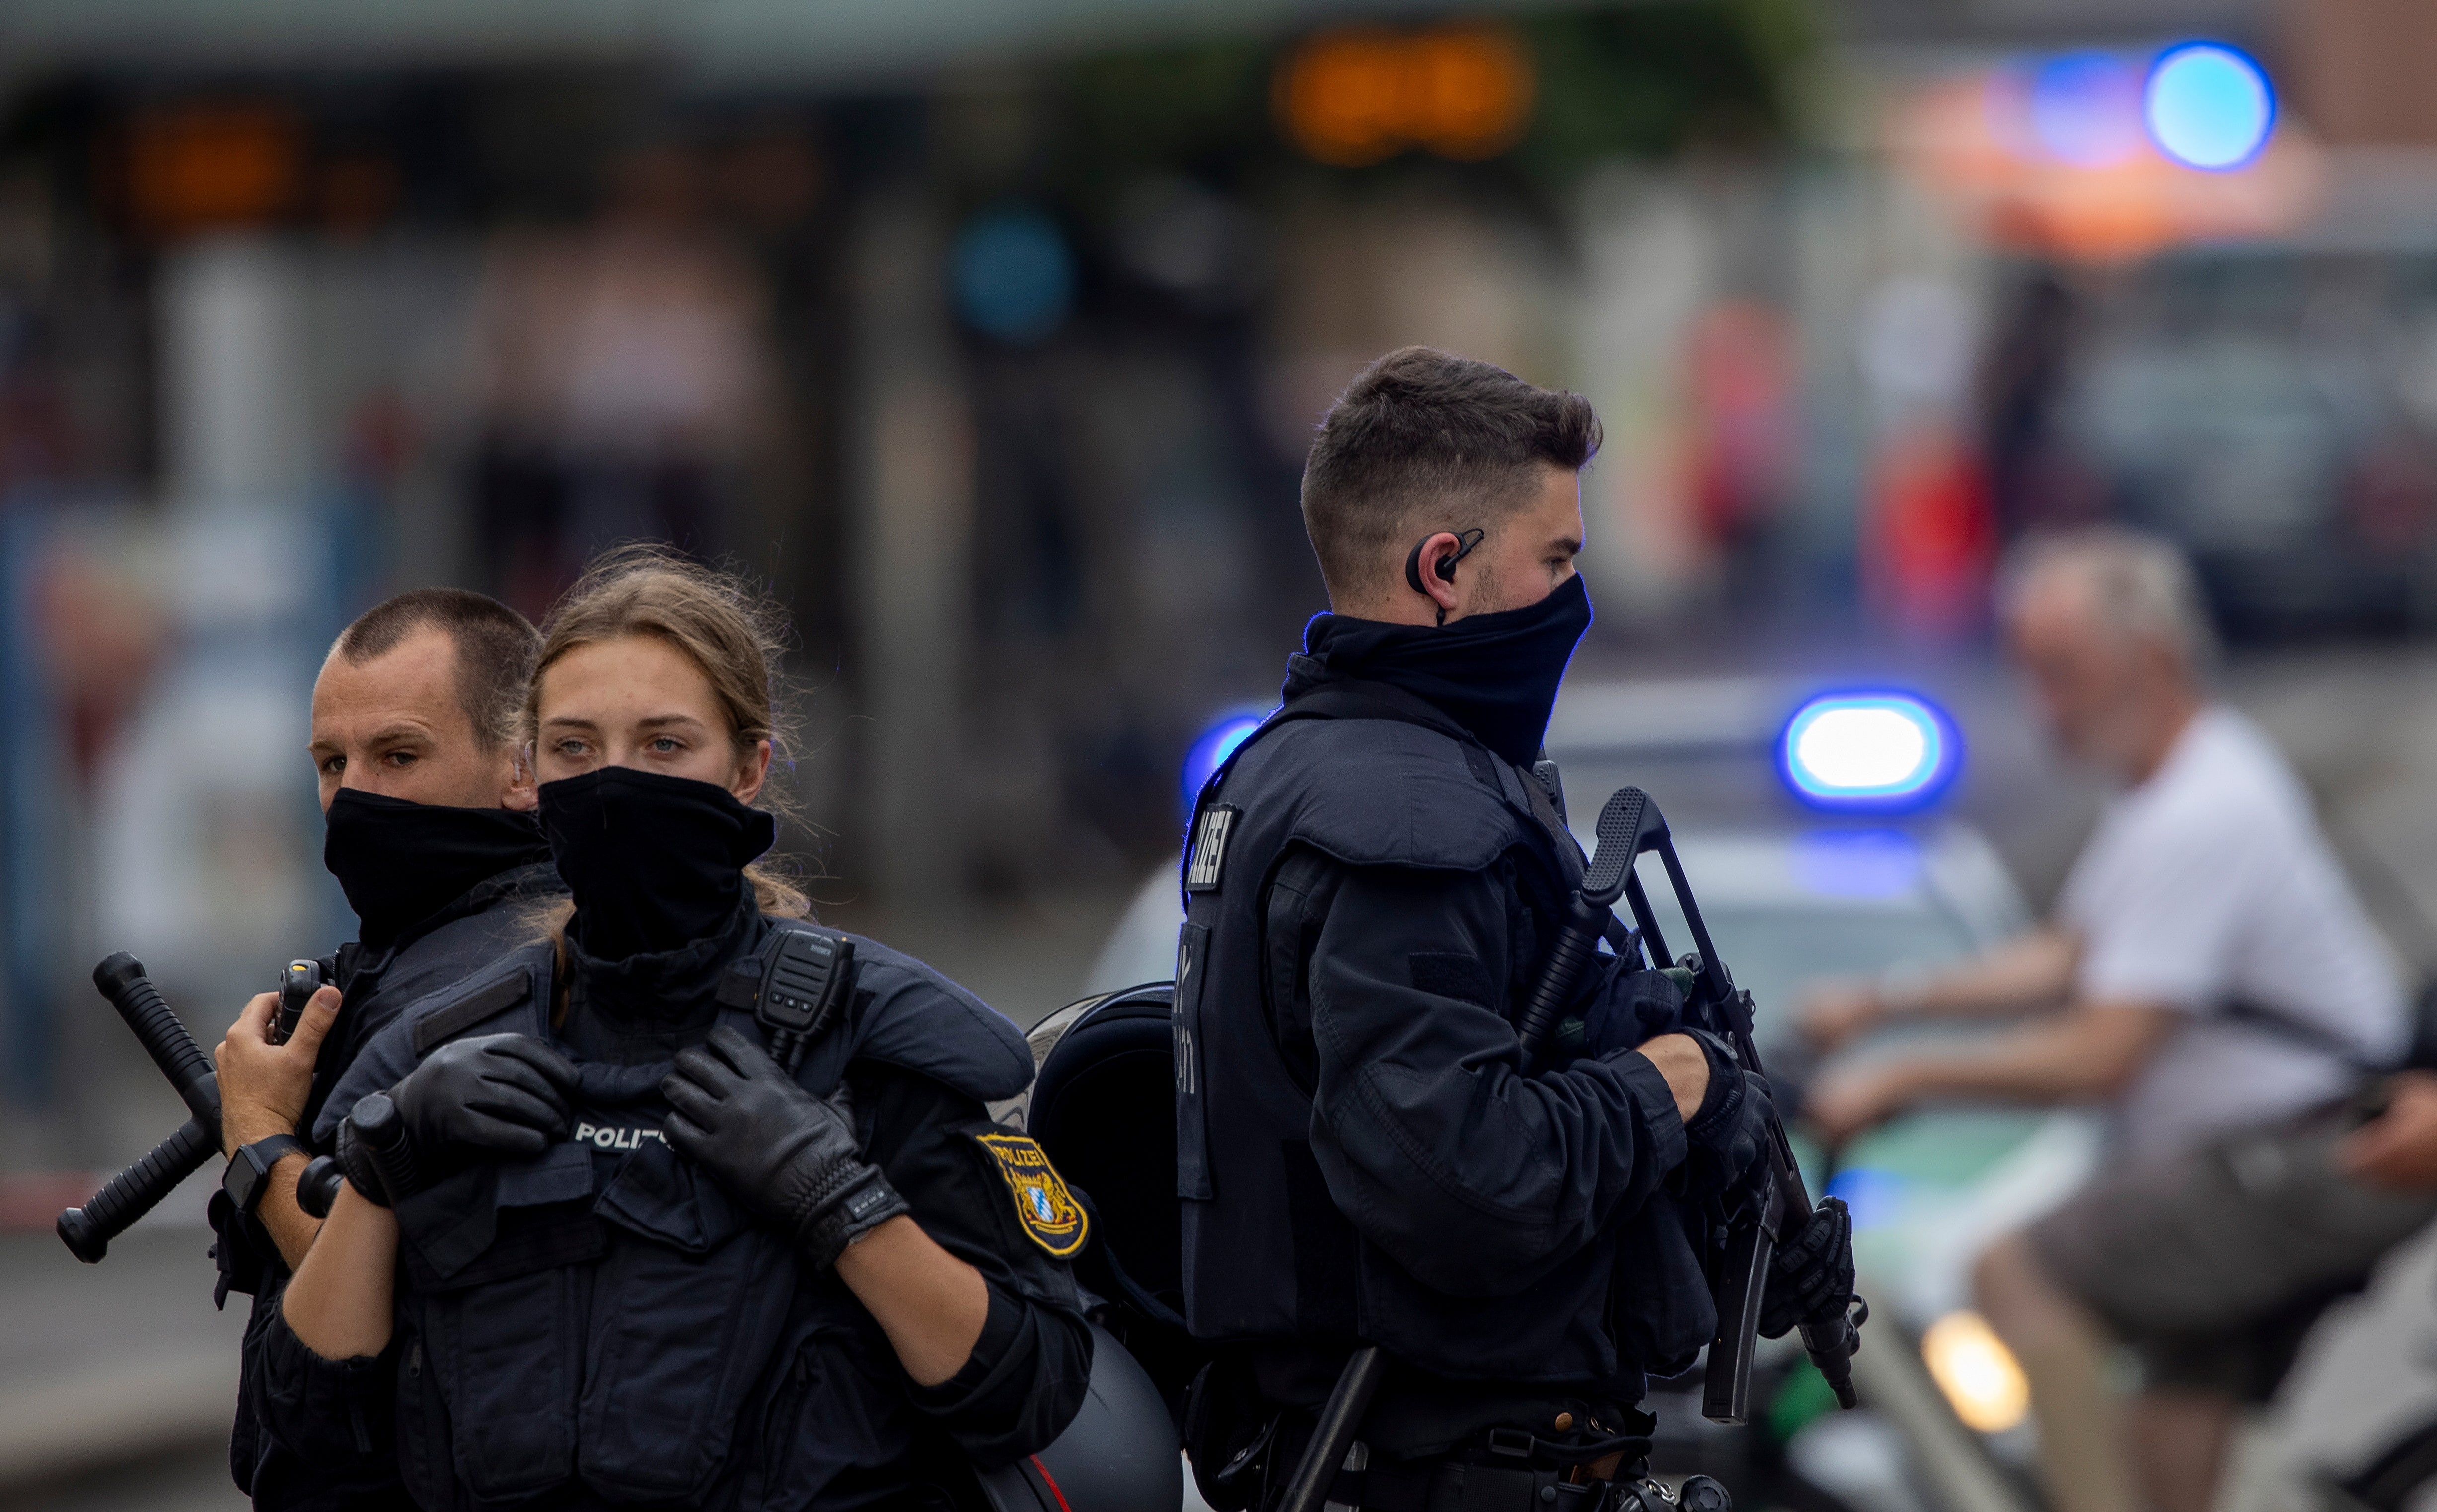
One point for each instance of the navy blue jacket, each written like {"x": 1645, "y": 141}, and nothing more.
{"x": 1369, "y": 895}
{"x": 601, "y": 1325}
{"x": 376, "y": 986}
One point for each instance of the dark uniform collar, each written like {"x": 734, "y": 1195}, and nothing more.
{"x": 532, "y": 880}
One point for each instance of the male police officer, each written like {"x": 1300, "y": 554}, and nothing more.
{"x": 433, "y": 836}
{"x": 1373, "y": 883}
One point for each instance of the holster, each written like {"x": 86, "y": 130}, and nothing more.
{"x": 1232, "y": 1434}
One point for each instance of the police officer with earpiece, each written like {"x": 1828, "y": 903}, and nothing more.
{"x": 1373, "y": 882}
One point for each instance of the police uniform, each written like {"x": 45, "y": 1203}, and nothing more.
{"x": 1369, "y": 893}
{"x": 375, "y": 983}
{"x": 603, "y": 1326}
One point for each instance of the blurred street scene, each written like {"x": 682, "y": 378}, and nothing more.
{"x": 991, "y": 338}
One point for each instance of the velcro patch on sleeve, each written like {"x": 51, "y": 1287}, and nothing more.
{"x": 1049, "y": 1213}
{"x": 1445, "y": 974}
{"x": 1209, "y": 861}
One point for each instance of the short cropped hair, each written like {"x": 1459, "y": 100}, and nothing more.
{"x": 495, "y": 648}
{"x": 2138, "y": 587}
{"x": 1424, "y": 440}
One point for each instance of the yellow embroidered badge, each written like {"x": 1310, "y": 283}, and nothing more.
{"x": 1047, "y": 1211}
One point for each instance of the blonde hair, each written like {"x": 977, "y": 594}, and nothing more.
{"x": 730, "y": 632}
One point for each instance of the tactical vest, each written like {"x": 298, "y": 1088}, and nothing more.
{"x": 1370, "y": 777}
{"x": 622, "y": 1325}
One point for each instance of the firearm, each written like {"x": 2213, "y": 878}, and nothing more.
{"x": 136, "y": 1191}
{"x": 1771, "y": 1209}
{"x": 1776, "y": 1207}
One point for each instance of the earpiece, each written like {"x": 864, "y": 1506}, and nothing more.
{"x": 1443, "y": 570}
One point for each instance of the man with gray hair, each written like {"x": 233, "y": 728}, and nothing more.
{"x": 2209, "y": 977}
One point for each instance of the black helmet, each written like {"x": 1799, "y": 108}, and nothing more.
{"x": 1119, "y": 1454}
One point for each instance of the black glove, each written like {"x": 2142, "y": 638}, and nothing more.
{"x": 1811, "y": 1280}
{"x": 494, "y": 1095}
{"x": 787, "y": 1155}
{"x": 1632, "y": 1008}
{"x": 1730, "y": 1132}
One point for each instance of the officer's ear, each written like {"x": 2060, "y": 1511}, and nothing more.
{"x": 520, "y": 794}
{"x": 752, "y": 771}
{"x": 1430, "y": 569}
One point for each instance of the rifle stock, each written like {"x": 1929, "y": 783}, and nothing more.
{"x": 1775, "y": 1208}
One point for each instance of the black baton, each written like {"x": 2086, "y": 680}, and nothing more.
{"x": 136, "y": 1191}
{"x": 1339, "y": 1420}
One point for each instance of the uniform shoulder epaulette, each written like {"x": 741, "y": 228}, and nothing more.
{"x": 1380, "y": 793}
{"x": 508, "y": 996}
{"x": 910, "y": 1015}
{"x": 508, "y": 983}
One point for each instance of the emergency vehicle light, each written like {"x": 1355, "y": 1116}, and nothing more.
{"x": 1215, "y": 745}
{"x": 1881, "y": 751}
{"x": 2209, "y": 106}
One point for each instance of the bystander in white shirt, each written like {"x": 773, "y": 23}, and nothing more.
{"x": 2211, "y": 885}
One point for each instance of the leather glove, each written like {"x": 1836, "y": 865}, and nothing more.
{"x": 1633, "y": 1008}
{"x": 1811, "y": 1280}
{"x": 493, "y": 1095}
{"x": 1729, "y": 1134}
{"x": 790, "y": 1157}
{"x": 496, "y": 1095}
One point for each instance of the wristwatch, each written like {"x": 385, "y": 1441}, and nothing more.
{"x": 244, "y": 1180}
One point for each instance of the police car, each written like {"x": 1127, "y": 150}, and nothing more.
{"x": 1850, "y": 870}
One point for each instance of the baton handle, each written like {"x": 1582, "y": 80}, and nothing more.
{"x": 1339, "y": 1420}
{"x": 120, "y": 977}
{"x": 136, "y": 1191}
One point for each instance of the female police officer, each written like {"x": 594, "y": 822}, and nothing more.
{"x": 629, "y": 1256}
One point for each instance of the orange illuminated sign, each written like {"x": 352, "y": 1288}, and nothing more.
{"x": 1363, "y": 95}
{"x": 195, "y": 166}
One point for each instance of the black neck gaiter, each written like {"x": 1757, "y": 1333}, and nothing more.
{"x": 402, "y": 862}
{"x": 655, "y": 862}
{"x": 1496, "y": 676}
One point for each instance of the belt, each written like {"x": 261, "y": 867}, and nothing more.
{"x": 1461, "y": 1488}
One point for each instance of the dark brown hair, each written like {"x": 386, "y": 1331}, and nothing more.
{"x": 725, "y": 628}
{"x": 1424, "y": 440}
{"x": 496, "y": 649}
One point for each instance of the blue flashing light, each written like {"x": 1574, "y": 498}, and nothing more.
{"x": 1215, "y": 745}
{"x": 2209, "y": 106}
{"x": 2085, "y": 109}
{"x": 1876, "y": 751}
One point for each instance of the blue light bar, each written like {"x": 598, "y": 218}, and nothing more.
{"x": 2209, "y": 106}
{"x": 2086, "y": 109}
{"x": 1215, "y": 745}
{"x": 1876, "y": 751}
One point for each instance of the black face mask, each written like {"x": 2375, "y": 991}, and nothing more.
{"x": 655, "y": 861}
{"x": 1496, "y": 676}
{"x": 401, "y": 862}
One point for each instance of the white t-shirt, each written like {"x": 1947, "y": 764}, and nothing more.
{"x": 2209, "y": 885}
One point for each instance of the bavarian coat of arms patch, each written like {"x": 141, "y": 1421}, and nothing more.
{"x": 1049, "y": 1213}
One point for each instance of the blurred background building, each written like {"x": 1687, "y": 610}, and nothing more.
{"x": 990, "y": 337}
